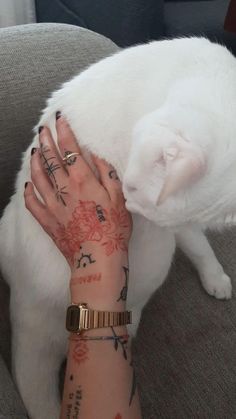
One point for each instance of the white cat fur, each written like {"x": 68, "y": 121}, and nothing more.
{"x": 139, "y": 109}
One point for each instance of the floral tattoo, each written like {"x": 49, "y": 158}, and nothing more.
{"x": 86, "y": 225}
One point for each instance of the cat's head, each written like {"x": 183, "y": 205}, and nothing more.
{"x": 177, "y": 170}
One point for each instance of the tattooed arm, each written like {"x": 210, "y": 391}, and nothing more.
{"x": 100, "y": 381}
{"x": 90, "y": 225}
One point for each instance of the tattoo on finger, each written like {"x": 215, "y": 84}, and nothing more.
{"x": 70, "y": 160}
{"x": 52, "y": 167}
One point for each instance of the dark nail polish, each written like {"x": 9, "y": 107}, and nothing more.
{"x": 58, "y": 115}
{"x": 26, "y": 183}
{"x": 33, "y": 151}
{"x": 40, "y": 129}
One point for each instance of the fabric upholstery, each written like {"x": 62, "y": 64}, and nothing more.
{"x": 184, "y": 352}
{"x": 201, "y": 18}
{"x": 11, "y": 406}
{"x": 126, "y": 22}
{"x": 185, "y": 348}
{"x": 129, "y": 22}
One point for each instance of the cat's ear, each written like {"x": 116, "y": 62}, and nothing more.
{"x": 185, "y": 163}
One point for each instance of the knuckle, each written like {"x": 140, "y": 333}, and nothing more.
{"x": 82, "y": 178}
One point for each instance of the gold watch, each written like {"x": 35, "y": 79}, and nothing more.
{"x": 79, "y": 318}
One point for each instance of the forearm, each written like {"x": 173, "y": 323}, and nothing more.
{"x": 100, "y": 381}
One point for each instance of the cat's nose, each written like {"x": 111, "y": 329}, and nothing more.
{"x": 130, "y": 188}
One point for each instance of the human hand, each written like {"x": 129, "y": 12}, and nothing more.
{"x": 86, "y": 219}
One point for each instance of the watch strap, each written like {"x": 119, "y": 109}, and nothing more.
{"x": 80, "y": 317}
{"x": 98, "y": 319}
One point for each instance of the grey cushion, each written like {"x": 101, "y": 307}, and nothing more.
{"x": 185, "y": 348}
{"x": 11, "y": 406}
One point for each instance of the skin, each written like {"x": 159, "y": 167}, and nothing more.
{"x": 88, "y": 221}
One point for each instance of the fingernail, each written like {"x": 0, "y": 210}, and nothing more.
{"x": 33, "y": 150}
{"x": 58, "y": 115}
{"x": 26, "y": 183}
{"x": 40, "y": 129}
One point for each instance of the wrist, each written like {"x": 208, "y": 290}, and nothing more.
{"x": 102, "y": 331}
{"x": 105, "y": 288}
{"x": 97, "y": 261}
{"x": 99, "y": 303}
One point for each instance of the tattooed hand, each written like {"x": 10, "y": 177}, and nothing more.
{"x": 85, "y": 217}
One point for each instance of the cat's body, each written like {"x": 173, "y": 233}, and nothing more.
{"x": 103, "y": 105}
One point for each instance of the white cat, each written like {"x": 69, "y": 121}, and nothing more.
{"x": 164, "y": 115}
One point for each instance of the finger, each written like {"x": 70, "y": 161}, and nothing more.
{"x": 38, "y": 209}
{"x": 32, "y": 203}
{"x": 40, "y": 179}
{"x": 67, "y": 143}
{"x": 51, "y": 160}
{"x": 109, "y": 179}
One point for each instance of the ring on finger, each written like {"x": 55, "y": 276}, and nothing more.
{"x": 68, "y": 157}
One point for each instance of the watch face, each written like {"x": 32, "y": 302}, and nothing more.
{"x": 72, "y": 318}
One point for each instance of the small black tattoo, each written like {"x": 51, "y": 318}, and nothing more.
{"x": 78, "y": 398}
{"x": 71, "y": 377}
{"x": 123, "y": 293}
{"x": 85, "y": 260}
{"x": 59, "y": 194}
{"x": 50, "y": 169}
{"x": 68, "y": 411}
{"x": 71, "y": 160}
{"x": 120, "y": 341}
{"x": 113, "y": 175}
{"x": 71, "y": 395}
{"x": 100, "y": 214}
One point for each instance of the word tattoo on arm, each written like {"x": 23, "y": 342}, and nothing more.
{"x": 73, "y": 407}
{"x": 86, "y": 279}
{"x": 123, "y": 293}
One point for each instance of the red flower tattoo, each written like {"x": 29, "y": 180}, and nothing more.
{"x": 91, "y": 222}
{"x": 80, "y": 352}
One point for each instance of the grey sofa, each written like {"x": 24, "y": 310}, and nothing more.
{"x": 184, "y": 353}
{"x": 131, "y": 22}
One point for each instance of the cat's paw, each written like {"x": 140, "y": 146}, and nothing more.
{"x": 219, "y": 286}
